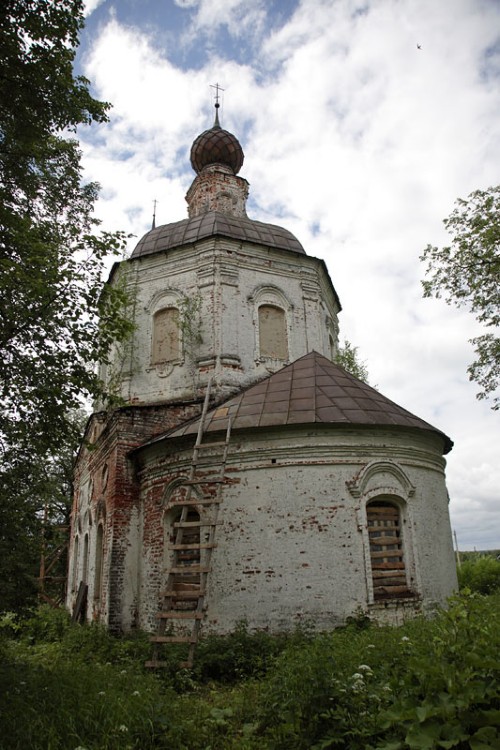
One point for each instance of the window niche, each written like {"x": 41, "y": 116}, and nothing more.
{"x": 99, "y": 559}
{"x": 272, "y": 320}
{"x": 273, "y": 341}
{"x": 85, "y": 561}
{"x": 384, "y": 514}
{"x": 165, "y": 331}
{"x": 166, "y": 347}
{"x": 332, "y": 332}
{"x": 76, "y": 552}
{"x": 386, "y": 550}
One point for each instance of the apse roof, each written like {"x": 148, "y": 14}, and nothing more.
{"x": 312, "y": 390}
{"x": 214, "y": 223}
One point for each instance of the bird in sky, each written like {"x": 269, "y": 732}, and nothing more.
{"x": 419, "y": 46}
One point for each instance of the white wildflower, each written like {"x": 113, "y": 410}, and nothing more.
{"x": 136, "y": 692}
{"x": 405, "y": 639}
{"x": 101, "y": 692}
{"x": 123, "y": 728}
{"x": 371, "y": 645}
{"x": 357, "y": 676}
{"x": 365, "y": 668}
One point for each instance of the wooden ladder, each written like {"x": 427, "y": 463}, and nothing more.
{"x": 186, "y": 586}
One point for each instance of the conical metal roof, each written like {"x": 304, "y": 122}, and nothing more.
{"x": 311, "y": 390}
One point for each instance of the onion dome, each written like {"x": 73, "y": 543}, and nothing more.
{"x": 216, "y": 146}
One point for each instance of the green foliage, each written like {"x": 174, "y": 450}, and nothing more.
{"x": 429, "y": 685}
{"x": 55, "y": 322}
{"x": 467, "y": 273}
{"x": 45, "y": 625}
{"x": 51, "y": 258}
{"x": 481, "y": 575}
{"x": 425, "y": 686}
{"x": 190, "y": 324}
{"x": 348, "y": 358}
{"x": 50, "y": 634}
{"x": 239, "y": 655}
{"x": 35, "y": 502}
{"x": 64, "y": 706}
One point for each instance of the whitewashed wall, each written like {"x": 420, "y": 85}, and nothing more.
{"x": 293, "y": 543}
{"x": 231, "y": 280}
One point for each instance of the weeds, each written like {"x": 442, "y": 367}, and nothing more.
{"x": 429, "y": 685}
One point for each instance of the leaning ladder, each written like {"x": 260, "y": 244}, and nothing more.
{"x": 186, "y": 586}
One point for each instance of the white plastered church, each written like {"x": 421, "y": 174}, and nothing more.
{"x": 292, "y": 492}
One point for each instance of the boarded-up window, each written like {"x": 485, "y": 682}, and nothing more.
{"x": 166, "y": 345}
{"x": 386, "y": 550}
{"x": 272, "y": 332}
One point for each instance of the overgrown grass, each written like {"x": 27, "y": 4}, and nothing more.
{"x": 424, "y": 686}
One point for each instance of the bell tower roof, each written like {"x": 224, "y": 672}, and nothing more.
{"x": 216, "y": 201}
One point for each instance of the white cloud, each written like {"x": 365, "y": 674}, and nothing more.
{"x": 359, "y": 143}
{"x": 91, "y": 5}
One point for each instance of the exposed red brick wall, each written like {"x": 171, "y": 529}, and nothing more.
{"x": 110, "y": 440}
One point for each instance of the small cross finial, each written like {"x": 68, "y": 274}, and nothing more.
{"x": 217, "y": 103}
{"x": 154, "y": 214}
{"x": 217, "y": 89}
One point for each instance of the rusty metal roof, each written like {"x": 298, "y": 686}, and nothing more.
{"x": 216, "y": 146}
{"x": 312, "y": 390}
{"x": 214, "y": 223}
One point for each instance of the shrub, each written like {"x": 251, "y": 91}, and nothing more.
{"x": 425, "y": 686}
{"x": 239, "y": 655}
{"x": 45, "y": 624}
{"x": 481, "y": 575}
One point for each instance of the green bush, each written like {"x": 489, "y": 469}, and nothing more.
{"x": 239, "y": 655}
{"x": 50, "y": 633}
{"x": 481, "y": 575}
{"x": 425, "y": 686}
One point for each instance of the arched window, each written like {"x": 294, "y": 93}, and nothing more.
{"x": 386, "y": 550}
{"x": 166, "y": 339}
{"x": 272, "y": 332}
{"x": 74, "y": 579}
{"x": 99, "y": 554}
{"x": 85, "y": 565}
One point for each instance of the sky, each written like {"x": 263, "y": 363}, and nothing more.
{"x": 361, "y": 122}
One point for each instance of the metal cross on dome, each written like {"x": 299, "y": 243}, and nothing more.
{"x": 217, "y": 96}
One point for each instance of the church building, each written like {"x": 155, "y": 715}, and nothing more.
{"x": 246, "y": 475}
